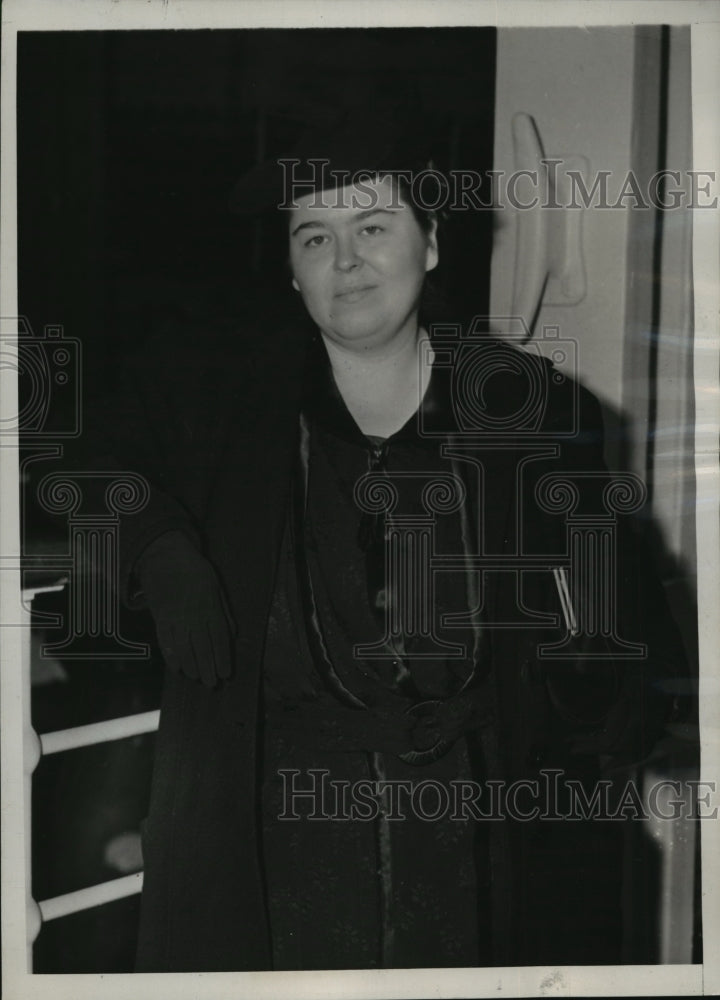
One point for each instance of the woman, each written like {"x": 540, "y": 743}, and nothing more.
{"x": 319, "y": 492}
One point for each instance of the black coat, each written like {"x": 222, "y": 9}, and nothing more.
{"x": 212, "y": 423}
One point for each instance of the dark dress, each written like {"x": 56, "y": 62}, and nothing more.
{"x": 396, "y": 889}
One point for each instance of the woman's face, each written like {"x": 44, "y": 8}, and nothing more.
{"x": 360, "y": 270}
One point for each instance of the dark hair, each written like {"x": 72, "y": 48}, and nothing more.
{"x": 433, "y": 305}
{"x": 424, "y": 216}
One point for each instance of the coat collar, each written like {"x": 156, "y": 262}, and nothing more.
{"x": 323, "y": 402}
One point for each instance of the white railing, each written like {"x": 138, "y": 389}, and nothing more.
{"x": 37, "y": 746}
{"x": 94, "y": 895}
{"x": 99, "y": 732}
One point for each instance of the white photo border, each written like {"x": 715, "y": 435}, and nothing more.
{"x": 685, "y": 980}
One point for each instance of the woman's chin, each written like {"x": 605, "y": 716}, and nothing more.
{"x": 366, "y": 330}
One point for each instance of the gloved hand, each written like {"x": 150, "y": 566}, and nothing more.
{"x": 194, "y": 626}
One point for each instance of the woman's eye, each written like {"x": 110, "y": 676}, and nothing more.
{"x": 315, "y": 241}
{"x": 372, "y": 230}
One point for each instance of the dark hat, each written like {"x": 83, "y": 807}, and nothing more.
{"x": 384, "y": 138}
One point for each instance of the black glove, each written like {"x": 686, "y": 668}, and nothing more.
{"x": 194, "y": 627}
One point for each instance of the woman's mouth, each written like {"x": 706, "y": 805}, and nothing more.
{"x": 354, "y": 294}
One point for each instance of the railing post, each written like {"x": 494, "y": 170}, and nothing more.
{"x": 31, "y": 753}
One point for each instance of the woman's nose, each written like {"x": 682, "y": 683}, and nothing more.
{"x": 346, "y": 256}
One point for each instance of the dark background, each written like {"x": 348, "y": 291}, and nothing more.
{"x": 128, "y": 147}
{"x": 129, "y": 144}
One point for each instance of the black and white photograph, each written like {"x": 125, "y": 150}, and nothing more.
{"x": 359, "y": 473}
